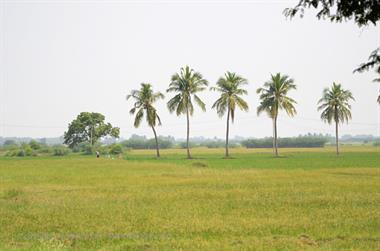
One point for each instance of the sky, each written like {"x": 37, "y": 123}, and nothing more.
{"x": 59, "y": 58}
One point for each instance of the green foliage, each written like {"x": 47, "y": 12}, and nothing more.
{"x": 217, "y": 144}
{"x": 362, "y": 11}
{"x": 184, "y": 145}
{"x": 273, "y": 96}
{"x": 147, "y": 143}
{"x": 230, "y": 90}
{"x": 23, "y": 151}
{"x": 89, "y": 149}
{"x": 144, "y": 105}
{"x": 89, "y": 127}
{"x": 60, "y": 150}
{"x": 35, "y": 145}
{"x": 377, "y": 143}
{"x": 334, "y": 104}
{"x": 186, "y": 84}
{"x": 116, "y": 149}
{"x": 8, "y": 144}
{"x": 301, "y": 141}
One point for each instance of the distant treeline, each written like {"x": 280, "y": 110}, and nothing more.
{"x": 12, "y": 148}
{"x": 141, "y": 142}
{"x": 300, "y": 141}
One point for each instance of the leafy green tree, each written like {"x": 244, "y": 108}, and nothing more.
{"x": 335, "y": 107}
{"x": 373, "y": 61}
{"x": 88, "y": 127}
{"x": 230, "y": 87}
{"x": 144, "y": 101}
{"x": 186, "y": 84}
{"x": 273, "y": 97}
{"x": 363, "y": 12}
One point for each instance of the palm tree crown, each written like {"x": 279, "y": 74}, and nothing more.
{"x": 274, "y": 96}
{"x": 334, "y": 104}
{"x": 186, "y": 84}
{"x": 230, "y": 88}
{"x": 144, "y": 100}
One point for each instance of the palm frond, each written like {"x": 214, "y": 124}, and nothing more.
{"x": 334, "y": 104}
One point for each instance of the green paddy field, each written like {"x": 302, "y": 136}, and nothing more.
{"x": 309, "y": 199}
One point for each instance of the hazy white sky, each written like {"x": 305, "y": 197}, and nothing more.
{"x": 59, "y": 58}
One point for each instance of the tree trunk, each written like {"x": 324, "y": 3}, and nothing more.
{"x": 91, "y": 142}
{"x": 157, "y": 147}
{"x": 273, "y": 142}
{"x": 336, "y": 137}
{"x": 275, "y": 137}
{"x": 188, "y": 134}
{"x": 227, "y": 132}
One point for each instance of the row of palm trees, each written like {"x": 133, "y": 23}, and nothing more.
{"x": 186, "y": 84}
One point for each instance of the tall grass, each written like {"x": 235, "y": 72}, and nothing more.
{"x": 309, "y": 200}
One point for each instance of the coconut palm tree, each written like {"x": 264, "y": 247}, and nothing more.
{"x": 335, "y": 107}
{"x": 186, "y": 84}
{"x": 143, "y": 106}
{"x": 230, "y": 88}
{"x": 273, "y": 97}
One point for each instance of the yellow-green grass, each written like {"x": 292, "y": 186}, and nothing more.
{"x": 308, "y": 199}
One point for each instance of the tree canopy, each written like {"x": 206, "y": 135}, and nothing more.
{"x": 144, "y": 101}
{"x": 334, "y": 104}
{"x": 363, "y": 12}
{"x": 89, "y": 127}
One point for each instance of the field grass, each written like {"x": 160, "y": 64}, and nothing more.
{"x": 307, "y": 200}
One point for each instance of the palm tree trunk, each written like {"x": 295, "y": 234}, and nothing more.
{"x": 275, "y": 137}
{"x": 188, "y": 134}
{"x": 157, "y": 147}
{"x": 336, "y": 138}
{"x": 227, "y": 131}
{"x": 273, "y": 141}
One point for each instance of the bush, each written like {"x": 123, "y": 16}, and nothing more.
{"x": 89, "y": 150}
{"x": 377, "y": 143}
{"x": 35, "y": 145}
{"x": 116, "y": 149}
{"x": 24, "y": 151}
{"x": 60, "y": 151}
{"x": 45, "y": 149}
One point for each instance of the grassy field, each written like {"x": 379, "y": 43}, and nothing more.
{"x": 309, "y": 199}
